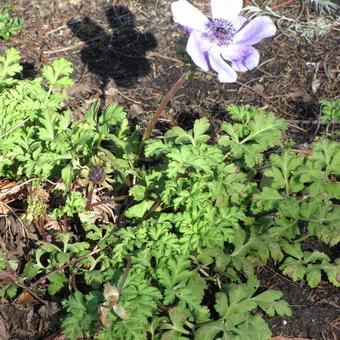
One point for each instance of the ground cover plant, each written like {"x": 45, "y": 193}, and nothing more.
{"x": 8, "y": 25}
{"x": 127, "y": 235}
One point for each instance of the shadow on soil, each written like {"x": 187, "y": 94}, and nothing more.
{"x": 28, "y": 71}
{"x": 117, "y": 53}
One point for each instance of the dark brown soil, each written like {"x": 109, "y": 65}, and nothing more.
{"x": 315, "y": 311}
{"x": 130, "y": 52}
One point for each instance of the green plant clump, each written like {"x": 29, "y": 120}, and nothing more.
{"x": 200, "y": 215}
{"x": 39, "y": 139}
{"x": 9, "y": 26}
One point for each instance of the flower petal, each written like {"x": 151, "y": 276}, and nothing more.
{"x": 255, "y": 31}
{"x": 197, "y": 49}
{"x": 188, "y": 15}
{"x": 225, "y": 73}
{"x": 243, "y": 58}
{"x": 238, "y": 22}
{"x": 226, "y": 9}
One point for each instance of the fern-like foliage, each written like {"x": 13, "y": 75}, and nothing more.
{"x": 178, "y": 263}
{"x": 9, "y": 25}
{"x": 196, "y": 212}
{"x": 38, "y": 138}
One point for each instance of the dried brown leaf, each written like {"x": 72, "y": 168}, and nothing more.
{"x": 55, "y": 225}
{"x": 103, "y": 311}
{"x": 7, "y": 276}
{"x": 4, "y": 209}
{"x": 106, "y": 210}
{"x": 25, "y": 298}
{"x": 8, "y": 188}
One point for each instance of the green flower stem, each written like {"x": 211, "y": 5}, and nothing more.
{"x": 170, "y": 95}
{"x": 14, "y": 127}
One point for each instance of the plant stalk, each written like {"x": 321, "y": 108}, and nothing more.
{"x": 175, "y": 87}
{"x": 90, "y": 190}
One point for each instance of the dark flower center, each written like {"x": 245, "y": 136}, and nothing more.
{"x": 220, "y": 31}
{"x": 96, "y": 174}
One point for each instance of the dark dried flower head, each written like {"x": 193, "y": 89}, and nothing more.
{"x": 97, "y": 174}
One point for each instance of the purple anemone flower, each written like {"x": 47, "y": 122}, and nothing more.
{"x": 227, "y": 36}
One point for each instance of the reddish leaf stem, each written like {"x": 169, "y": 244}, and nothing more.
{"x": 162, "y": 106}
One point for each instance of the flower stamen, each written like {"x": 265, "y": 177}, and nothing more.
{"x": 220, "y": 31}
